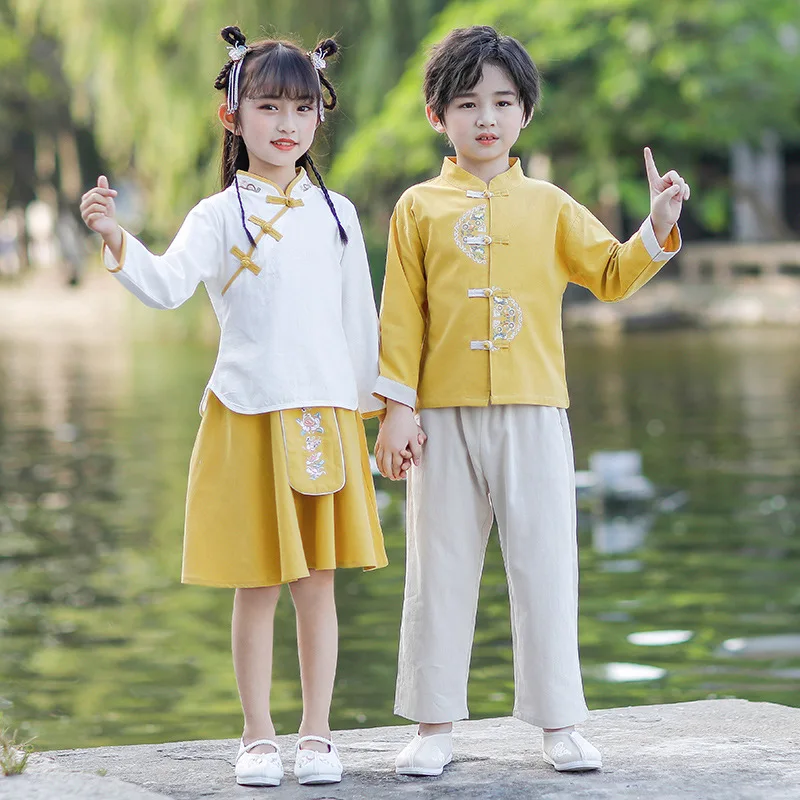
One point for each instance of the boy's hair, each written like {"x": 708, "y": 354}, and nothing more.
{"x": 275, "y": 68}
{"x": 455, "y": 67}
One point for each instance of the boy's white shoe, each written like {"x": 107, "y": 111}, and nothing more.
{"x": 311, "y": 767}
{"x": 425, "y": 755}
{"x": 568, "y": 751}
{"x": 258, "y": 769}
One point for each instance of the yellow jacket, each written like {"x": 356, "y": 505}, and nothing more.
{"x": 471, "y": 310}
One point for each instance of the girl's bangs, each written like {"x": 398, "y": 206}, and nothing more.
{"x": 281, "y": 72}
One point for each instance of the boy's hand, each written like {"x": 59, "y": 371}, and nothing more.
{"x": 667, "y": 195}
{"x": 100, "y": 216}
{"x": 399, "y": 439}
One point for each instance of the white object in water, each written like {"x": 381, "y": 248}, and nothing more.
{"x": 619, "y": 474}
{"x": 659, "y": 638}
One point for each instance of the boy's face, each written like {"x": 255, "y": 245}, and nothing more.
{"x": 483, "y": 124}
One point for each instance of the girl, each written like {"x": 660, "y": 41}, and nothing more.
{"x": 280, "y": 487}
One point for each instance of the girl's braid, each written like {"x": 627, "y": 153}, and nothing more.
{"x": 306, "y": 159}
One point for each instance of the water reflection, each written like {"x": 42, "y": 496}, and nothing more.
{"x": 758, "y": 647}
{"x": 625, "y": 673}
{"x": 659, "y": 638}
{"x": 100, "y": 645}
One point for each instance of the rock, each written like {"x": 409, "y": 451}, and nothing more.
{"x": 730, "y": 749}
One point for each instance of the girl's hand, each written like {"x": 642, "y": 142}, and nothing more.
{"x": 399, "y": 439}
{"x": 667, "y": 195}
{"x": 99, "y": 213}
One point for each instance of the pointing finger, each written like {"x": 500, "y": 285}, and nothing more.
{"x": 650, "y": 166}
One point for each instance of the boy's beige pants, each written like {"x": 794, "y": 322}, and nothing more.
{"x": 514, "y": 463}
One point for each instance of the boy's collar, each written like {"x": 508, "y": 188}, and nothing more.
{"x": 459, "y": 177}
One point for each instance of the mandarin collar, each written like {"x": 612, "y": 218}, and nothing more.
{"x": 460, "y": 178}
{"x": 256, "y": 186}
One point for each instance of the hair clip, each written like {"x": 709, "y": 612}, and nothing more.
{"x": 238, "y": 52}
{"x": 317, "y": 59}
{"x": 236, "y": 55}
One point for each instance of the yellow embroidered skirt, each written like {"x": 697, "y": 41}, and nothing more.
{"x": 272, "y": 496}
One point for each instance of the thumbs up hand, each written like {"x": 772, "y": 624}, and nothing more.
{"x": 100, "y": 215}
{"x": 97, "y": 208}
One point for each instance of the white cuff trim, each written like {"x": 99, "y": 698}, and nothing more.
{"x": 656, "y": 252}
{"x": 108, "y": 260}
{"x": 371, "y": 405}
{"x": 392, "y": 390}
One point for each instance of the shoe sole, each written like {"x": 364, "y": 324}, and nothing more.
{"x": 314, "y": 779}
{"x": 259, "y": 781}
{"x": 574, "y": 766}
{"x": 419, "y": 772}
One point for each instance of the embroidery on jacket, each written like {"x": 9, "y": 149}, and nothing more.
{"x": 506, "y": 318}
{"x": 470, "y": 226}
{"x": 310, "y": 425}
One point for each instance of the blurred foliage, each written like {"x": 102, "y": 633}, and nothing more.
{"x": 687, "y": 78}
{"x": 34, "y": 97}
{"x": 142, "y": 73}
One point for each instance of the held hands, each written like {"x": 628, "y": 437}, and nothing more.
{"x": 99, "y": 214}
{"x": 400, "y": 439}
{"x": 667, "y": 195}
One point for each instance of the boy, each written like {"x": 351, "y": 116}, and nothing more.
{"x": 477, "y": 264}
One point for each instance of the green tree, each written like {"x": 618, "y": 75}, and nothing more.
{"x": 38, "y": 151}
{"x": 690, "y": 79}
{"x": 142, "y": 75}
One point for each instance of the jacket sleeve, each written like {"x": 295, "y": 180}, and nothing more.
{"x": 169, "y": 280}
{"x": 404, "y": 309}
{"x": 360, "y": 317}
{"x": 609, "y": 269}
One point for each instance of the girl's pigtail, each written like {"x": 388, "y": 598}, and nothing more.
{"x": 306, "y": 160}
{"x": 234, "y": 154}
{"x": 331, "y": 102}
{"x": 325, "y": 50}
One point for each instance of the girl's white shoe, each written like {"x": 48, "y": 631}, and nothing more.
{"x": 258, "y": 769}
{"x": 568, "y": 751}
{"x": 311, "y": 767}
{"x": 425, "y": 755}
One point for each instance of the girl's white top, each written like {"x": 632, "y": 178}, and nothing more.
{"x": 301, "y": 332}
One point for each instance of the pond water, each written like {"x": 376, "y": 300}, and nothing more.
{"x": 686, "y": 600}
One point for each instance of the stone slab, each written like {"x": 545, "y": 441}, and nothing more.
{"x": 728, "y": 749}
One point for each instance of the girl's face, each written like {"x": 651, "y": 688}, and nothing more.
{"x": 277, "y": 131}
{"x": 484, "y": 124}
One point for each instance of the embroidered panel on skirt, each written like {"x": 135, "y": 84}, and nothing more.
{"x": 314, "y": 456}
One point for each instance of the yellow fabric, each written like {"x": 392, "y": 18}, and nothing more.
{"x": 313, "y": 446}
{"x": 245, "y": 526}
{"x": 520, "y": 241}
